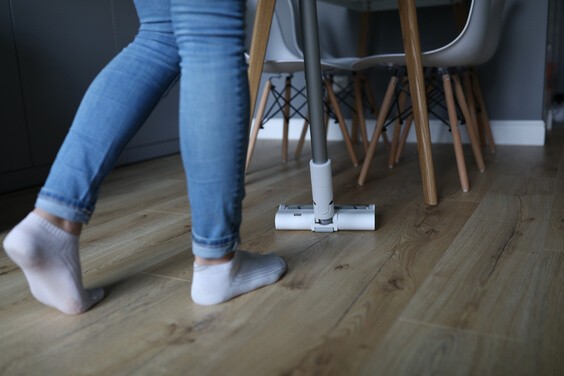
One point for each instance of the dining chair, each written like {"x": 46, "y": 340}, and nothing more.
{"x": 474, "y": 45}
{"x": 284, "y": 57}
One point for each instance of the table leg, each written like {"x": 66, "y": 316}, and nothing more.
{"x": 410, "y": 32}
{"x": 261, "y": 32}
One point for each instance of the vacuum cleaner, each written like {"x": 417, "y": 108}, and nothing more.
{"x": 323, "y": 215}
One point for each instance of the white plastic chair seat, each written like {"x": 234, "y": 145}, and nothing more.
{"x": 347, "y": 64}
{"x": 297, "y": 65}
{"x": 284, "y": 54}
{"x": 475, "y": 44}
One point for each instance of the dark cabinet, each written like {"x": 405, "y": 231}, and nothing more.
{"x": 14, "y": 145}
{"x": 61, "y": 46}
{"x": 50, "y": 52}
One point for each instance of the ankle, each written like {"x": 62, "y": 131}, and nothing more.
{"x": 214, "y": 285}
{"x": 74, "y": 228}
{"x": 223, "y": 260}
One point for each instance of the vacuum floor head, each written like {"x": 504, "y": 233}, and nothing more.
{"x": 346, "y": 217}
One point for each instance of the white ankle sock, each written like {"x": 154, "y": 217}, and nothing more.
{"x": 49, "y": 259}
{"x": 214, "y": 284}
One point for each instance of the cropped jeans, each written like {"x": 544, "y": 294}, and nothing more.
{"x": 203, "y": 41}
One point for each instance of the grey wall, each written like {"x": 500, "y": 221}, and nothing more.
{"x": 555, "y": 53}
{"x": 513, "y": 81}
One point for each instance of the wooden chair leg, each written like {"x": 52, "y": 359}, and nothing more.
{"x": 300, "y": 145}
{"x": 470, "y": 126}
{"x": 354, "y": 128}
{"x": 374, "y": 110}
{"x": 408, "y": 124}
{"x": 407, "y": 128}
{"x": 341, "y": 120}
{"x": 397, "y": 129}
{"x": 456, "y": 140}
{"x": 258, "y": 122}
{"x": 378, "y": 131}
{"x": 370, "y": 96}
{"x": 483, "y": 111}
{"x": 471, "y": 102}
{"x": 359, "y": 108}
{"x": 286, "y": 113}
{"x": 386, "y": 140}
{"x": 326, "y": 114}
{"x": 403, "y": 138}
{"x": 355, "y": 121}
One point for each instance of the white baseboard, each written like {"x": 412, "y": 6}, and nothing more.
{"x": 505, "y": 132}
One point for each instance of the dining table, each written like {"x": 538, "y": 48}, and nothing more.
{"x": 411, "y": 43}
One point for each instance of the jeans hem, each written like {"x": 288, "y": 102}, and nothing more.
{"x": 214, "y": 251}
{"x": 61, "y": 209}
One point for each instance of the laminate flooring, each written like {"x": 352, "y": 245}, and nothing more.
{"x": 472, "y": 286}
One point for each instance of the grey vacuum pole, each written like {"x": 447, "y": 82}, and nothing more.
{"x": 308, "y": 11}
{"x": 323, "y": 215}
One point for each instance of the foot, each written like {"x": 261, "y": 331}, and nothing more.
{"x": 49, "y": 258}
{"x": 214, "y": 284}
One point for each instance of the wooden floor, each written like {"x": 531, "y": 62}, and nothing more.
{"x": 473, "y": 286}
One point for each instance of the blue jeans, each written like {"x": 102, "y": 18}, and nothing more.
{"x": 203, "y": 41}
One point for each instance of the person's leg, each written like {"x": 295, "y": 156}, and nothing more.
{"x": 45, "y": 243}
{"x": 214, "y": 118}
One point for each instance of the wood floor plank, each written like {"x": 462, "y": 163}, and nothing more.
{"x": 137, "y": 320}
{"x": 555, "y": 234}
{"x": 532, "y": 317}
{"x": 422, "y": 238}
{"x": 301, "y": 300}
{"x": 133, "y": 175}
{"x": 324, "y": 282}
{"x": 130, "y": 244}
{"x": 363, "y": 261}
{"x": 526, "y": 161}
{"x": 159, "y": 194}
{"x": 14, "y": 286}
{"x": 418, "y": 349}
{"x": 476, "y": 279}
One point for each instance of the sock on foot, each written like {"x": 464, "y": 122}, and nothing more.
{"x": 214, "y": 284}
{"x": 50, "y": 261}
